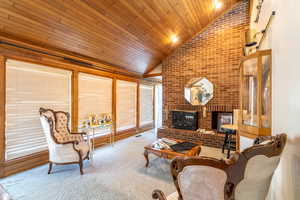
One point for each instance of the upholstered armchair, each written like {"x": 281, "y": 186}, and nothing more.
{"x": 64, "y": 147}
{"x": 245, "y": 176}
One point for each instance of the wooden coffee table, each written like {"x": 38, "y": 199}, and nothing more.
{"x": 169, "y": 153}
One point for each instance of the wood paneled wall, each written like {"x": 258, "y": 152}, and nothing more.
{"x": 27, "y": 162}
{"x": 132, "y": 34}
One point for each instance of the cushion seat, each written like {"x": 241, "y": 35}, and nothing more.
{"x": 64, "y": 147}
{"x": 83, "y": 147}
{"x": 173, "y": 196}
{"x": 245, "y": 176}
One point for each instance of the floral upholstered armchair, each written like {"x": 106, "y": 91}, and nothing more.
{"x": 64, "y": 147}
{"x": 245, "y": 176}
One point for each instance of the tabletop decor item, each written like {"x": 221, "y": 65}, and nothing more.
{"x": 95, "y": 123}
{"x": 169, "y": 153}
{"x": 93, "y": 120}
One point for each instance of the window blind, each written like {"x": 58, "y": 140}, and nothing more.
{"x": 158, "y": 105}
{"x": 126, "y": 105}
{"x": 146, "y": 104}
{"x": 95, "y": 97}
{"x": 29, "y": 87}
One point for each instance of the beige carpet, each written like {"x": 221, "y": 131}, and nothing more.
{"x": 118, "y": 173}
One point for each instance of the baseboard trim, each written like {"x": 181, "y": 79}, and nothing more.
{"x": 34, "y": 160}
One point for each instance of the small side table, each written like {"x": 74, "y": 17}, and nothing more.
{"x": 90, "y": 133}
{"x": 229, "y": 131}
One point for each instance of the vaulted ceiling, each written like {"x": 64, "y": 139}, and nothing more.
{"x": 132, "y": 34}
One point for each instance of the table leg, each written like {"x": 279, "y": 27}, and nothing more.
{"x": 93, "y": 144}
{"x": 146, "y": 154}
{"x": 225, "y": 142}
{"x": 89, "y": 142}
{"x": 112, "y": 136}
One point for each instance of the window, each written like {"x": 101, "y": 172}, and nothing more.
{"x": 126, "y": 105}
{"x": 95, "y": 97}
{"x": 29, "y": 87}
{"x": 158, "y": 105}
{"x": 146, "y": 104}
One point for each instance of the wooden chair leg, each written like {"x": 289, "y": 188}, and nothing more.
{"x": 229, "y": 146}
{"x": 81, "y": 167}
{"x": 225, "y": 142}
{"x": 50, "y": 167}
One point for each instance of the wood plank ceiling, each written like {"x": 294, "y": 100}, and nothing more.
{"x": 132, "y": 34}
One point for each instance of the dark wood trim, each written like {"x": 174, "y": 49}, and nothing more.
{"x": 271, "y": 88}
{"x": 2, "y": 112}
{"x": 153, "y": 103}
{"x": 149, "y": 69}
{"x": 102, "y": 65}
{"x": 129, "y": 79}
{"x": 33, "y": 57}
{"x": 250, "y": 11}
{"x": 256, "y": 55}
{"x": 178, "y": 164}
{"x": 152, "y": 75}
{"x": 114, "y": 106}
{"x": 138, "y": 108}
{"x": 169, "y": 154}
{"x": 52, "y": 122}
{"x": 54, "y": 125}
{"x": 102, "y": 140}
{"x": 75, "y": 107}
{"x": 150, "y": 81}
{"x": 24, "y": 163}
{"x": 238, "y": 138}
{"x": 158, "y": 194}
{"x": 30, "y": 161}
{"x": 146, "y": 127}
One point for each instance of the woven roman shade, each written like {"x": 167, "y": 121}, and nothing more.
{"x": 29, "y": 87}
{"x": 146, "y": 104}
{"x": 126, "y": 104}
{"x": 95, "y": 97}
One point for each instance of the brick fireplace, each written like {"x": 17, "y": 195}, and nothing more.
{"x": 215, "y": 54}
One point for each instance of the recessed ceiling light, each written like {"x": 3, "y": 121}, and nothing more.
{"x": 218, "y": 4}
{"x": 174, "y": 39}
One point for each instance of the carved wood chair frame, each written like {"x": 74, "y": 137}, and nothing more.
{"x": 234, "y": 167}
{"x": 74, "y": 143}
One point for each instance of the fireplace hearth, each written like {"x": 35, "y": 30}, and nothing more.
{"x": 187, "y": 120}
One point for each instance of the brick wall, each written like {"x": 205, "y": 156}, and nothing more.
{"x": 215, "y": 54}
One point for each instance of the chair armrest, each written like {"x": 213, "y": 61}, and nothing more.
{"x": 81, "y": 133}
{"x": 74, "y": 142}
{"x": 158, "y": 194}
{"x": 261, "y": 139}
{"x": 179, "y": 163}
